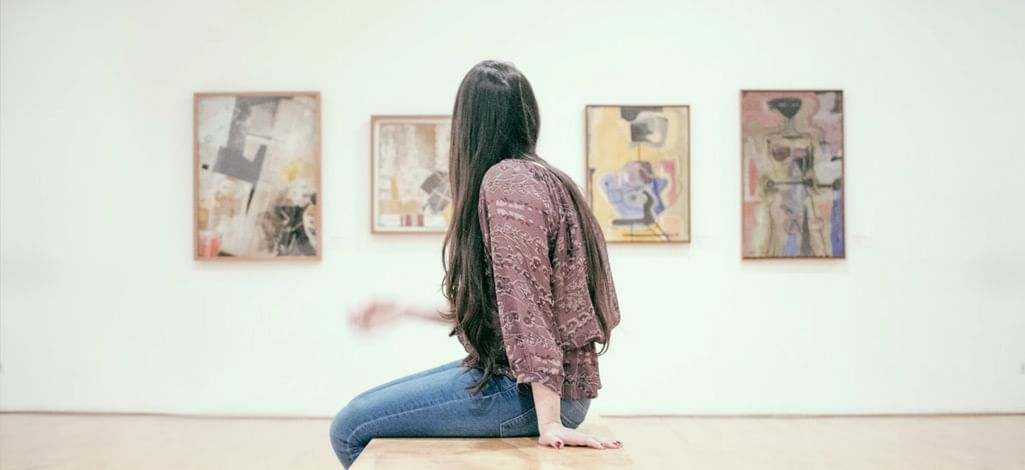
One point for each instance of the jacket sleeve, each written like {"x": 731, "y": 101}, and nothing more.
{"x": 516, "y": 216}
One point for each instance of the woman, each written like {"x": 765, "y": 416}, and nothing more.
{"x": 528, "y": 285}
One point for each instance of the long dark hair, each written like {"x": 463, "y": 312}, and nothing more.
{"x": 496, "y": 118}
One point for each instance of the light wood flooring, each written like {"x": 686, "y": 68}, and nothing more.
{"x": 115, "y": 442}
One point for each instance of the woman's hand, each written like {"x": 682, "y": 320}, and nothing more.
{"x": 550, "y": 428}
{"x": 557, "y": 436}
{"x": 379, "y": 313}
{"x": 375, "y": 315}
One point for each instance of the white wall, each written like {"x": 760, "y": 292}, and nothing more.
{"x": 103, "y": 308}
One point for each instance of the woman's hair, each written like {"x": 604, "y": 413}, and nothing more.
{"x": 496, "y": 118}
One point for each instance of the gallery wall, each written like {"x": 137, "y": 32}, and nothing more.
{"x": 103, "y": 308}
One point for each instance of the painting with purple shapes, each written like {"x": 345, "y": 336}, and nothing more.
{"x": 793, "y": 179}
{"x": 638, "y": 163}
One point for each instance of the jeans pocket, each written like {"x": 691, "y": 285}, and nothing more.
{"x": 523, "y": 425}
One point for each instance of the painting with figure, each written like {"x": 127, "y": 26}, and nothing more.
{"x": 793, "y": 174}
{"x": 410, "y": 185}
{"x": 257, "y": 176}
{"x": 638, "y": 172}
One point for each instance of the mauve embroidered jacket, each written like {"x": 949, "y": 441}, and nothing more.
{"x": 539, "y": 267}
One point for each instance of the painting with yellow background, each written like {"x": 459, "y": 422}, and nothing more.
{"x": 638, "y": 171}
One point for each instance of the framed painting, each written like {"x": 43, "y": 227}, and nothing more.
{"x": 638, "y": 172}
{"x": 257, "y": 176}
{"x": 409, "y": 174}
{"x": 792, "y": 161}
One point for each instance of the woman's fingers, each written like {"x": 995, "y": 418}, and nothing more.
{"x": 551, "y": 439}
{"x": 362, "y": 316}
{"x": 356, "y": 318}
{"x": 577, "y": 438}
{"x": 373, "y": 315}
{"x": 593, "y": 443}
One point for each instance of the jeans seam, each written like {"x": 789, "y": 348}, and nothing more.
{"x": 435, "y": 405}
{"x": 383, "y": 386}
{"x": 501, "y": 425}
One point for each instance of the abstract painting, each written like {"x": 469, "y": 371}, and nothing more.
{"x": 257, "y": 176}
{"x": 409, "y": 176}
{"x": 793, "y": 174}
{"x": 638, "y": 172}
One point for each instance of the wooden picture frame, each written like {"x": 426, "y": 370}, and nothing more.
{"x": 675, "y": 178}
{"x": 262, "y": 150}
{"x": 828, "y": 137}
{"x": 409, "y": 185}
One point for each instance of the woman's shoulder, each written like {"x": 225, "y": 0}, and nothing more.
{"x": 516, "y": 183}
{"x": 516, "y": 175}
{"x": 509, "y": 168}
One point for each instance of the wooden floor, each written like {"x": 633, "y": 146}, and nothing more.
{"x": 30, "y": 441}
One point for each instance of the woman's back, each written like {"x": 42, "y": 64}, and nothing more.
{"x": 538, "y": 280}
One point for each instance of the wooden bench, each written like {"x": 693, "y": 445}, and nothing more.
{"x": 472, "y": 454}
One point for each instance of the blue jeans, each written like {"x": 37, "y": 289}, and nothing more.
{"x": 435, "y": 403}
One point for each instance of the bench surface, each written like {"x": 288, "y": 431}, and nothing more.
{"x": 493, "y": 453}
